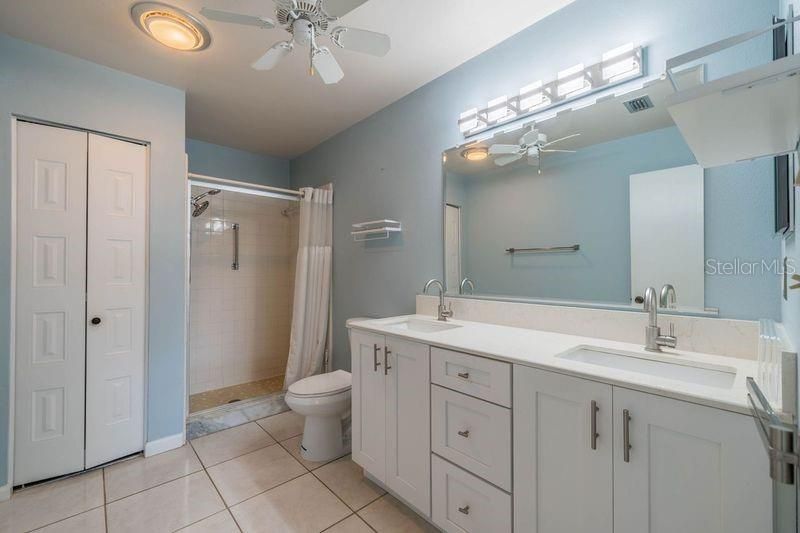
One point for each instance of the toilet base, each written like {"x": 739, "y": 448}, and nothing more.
{"x": 322, "y": 439}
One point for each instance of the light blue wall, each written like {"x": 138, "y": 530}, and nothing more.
{"x": 583, "y": 198}
{"x": 44, "y": 84}
{"x": 225, "y": 162}
{"x": 389, "y": 165}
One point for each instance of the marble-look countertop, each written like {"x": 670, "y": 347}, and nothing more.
{"x": 541, "y": 348}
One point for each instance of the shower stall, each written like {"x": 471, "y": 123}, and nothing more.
{"x": 242, "y": 265}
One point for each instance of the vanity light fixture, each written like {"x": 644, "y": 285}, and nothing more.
{"x": 621, "y": 64}
{"x": 475, "y": 154}
{"x": 170, "y": 26}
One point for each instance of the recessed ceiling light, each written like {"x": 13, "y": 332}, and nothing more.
{"x": 478, "y": 153}
{"x": 170, "y": 26}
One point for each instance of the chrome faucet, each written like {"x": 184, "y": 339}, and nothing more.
{"x": 443, "y": 313}
{"x": 654, "y": 340}
{"x": 668, "y": 298}
{"x": 465, "y": 282}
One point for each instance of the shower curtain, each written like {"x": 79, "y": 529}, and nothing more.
{"x": 312, "y": 286}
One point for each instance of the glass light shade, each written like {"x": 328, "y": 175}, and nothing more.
{"x": 173, "y": 32}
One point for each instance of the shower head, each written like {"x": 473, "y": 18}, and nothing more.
{"x": 199, "y": 208}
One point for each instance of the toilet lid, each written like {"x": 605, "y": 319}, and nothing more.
{"x": 321, "y": 384}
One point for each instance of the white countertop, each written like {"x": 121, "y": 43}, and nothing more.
{"x": 540, "y": 348}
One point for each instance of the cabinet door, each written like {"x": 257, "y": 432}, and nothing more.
{"x": 691, "y": 469}
{"x": 369, "y": 402}
{"x": 408, "y": 439}
{"x": 562, "y": 476}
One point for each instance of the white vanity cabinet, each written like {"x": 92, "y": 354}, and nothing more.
{"x": 562, "y": 474}
{"x": 689, "y": 468}
{"x": 658, "y": 465}
{"x": 391, "y": 414}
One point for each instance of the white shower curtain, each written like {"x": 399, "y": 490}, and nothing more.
{"x": 312, "y": 286}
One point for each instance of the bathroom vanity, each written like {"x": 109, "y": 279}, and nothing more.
{"x": 483, "y": 427}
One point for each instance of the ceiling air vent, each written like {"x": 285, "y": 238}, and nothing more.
{"x": 639, "y": 104}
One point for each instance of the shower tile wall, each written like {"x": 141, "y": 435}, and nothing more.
{"x": 241, "y": 319}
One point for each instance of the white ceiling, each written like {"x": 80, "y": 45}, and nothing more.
{"x": 282, "y": 112}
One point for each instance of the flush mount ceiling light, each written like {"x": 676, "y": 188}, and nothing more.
{"x": 170, "y": 26}
{"x": 475, "y": 154}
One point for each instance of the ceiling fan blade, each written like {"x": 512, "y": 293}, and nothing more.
{"x": 530, "y": 137}
{"x": 549, "y": 151}
{"x": 505, "y": 160}
{"x": 502, "y": 149}
{"x": 364, "y": 41}
{"x": 339, "y": 8}
{"x": 237, "y": 18}
{"x": 278, "y": 51}
{"x": 327, "y": 66}
{"x": 562, "y": 139}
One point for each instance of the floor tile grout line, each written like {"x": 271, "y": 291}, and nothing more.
{"x": 268, "y": 490}
{"x": 222, "y": 499}
{"x": 337, "y": 523}
{"x": 105, "y": 502}
{"x": 62, "y": 519}
{"x": 334, "y": 492}
{"x": 156, "y": 485}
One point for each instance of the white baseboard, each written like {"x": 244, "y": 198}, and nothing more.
{"x": 164, "y": 444}
{"x": 5, "y": 492}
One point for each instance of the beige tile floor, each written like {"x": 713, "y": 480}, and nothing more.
{"x": 250, "y": 478}
{"x": 244, "y": 391}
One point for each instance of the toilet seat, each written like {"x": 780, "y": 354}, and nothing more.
{"x": 327, "y": 384}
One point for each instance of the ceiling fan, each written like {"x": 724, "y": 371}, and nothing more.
{"x": 306, "y": 21}
{"x": 532, "y": 144}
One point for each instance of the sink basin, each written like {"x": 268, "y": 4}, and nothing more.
{"x": 710, "y": 375}
{"x": 421, "y": 326}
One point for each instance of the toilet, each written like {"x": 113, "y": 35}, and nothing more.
{"x": 323, "y": 400}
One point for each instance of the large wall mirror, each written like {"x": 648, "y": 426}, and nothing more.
{"x": 591, "y": 206}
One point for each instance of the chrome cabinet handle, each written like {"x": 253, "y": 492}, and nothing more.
{"x": 626, "y": 436}
{"x": 386, "y": 367}
{"x": 463, "y": 375}
{"x": 464, "y": 510}
{"x": 375, "y": 363}
{"x": 594, "y": 409}
{"x": 464, "y": 433}
{"x": 235, "y": 264}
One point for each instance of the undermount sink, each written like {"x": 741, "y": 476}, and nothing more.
{"x": 421, "y": 326}
{"x": 663, "y": 366}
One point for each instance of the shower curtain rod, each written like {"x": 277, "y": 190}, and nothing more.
{"x": 246, "y": 185}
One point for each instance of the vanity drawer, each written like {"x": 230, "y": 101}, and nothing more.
{"x": 476, "y": 376}
{"x": 464, "y": 503}
{"x": 473, "y": 434}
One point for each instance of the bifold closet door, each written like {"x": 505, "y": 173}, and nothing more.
{"x": 50, "y": 299}
{"x": 116, "y": 265}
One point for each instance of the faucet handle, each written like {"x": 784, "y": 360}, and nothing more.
{"x": 672, "y": 329}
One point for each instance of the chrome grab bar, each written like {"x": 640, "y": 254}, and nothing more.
{"x": 235, "y": 265}
{"x": 779, "y": 438}
{"x": 546, "y": 249}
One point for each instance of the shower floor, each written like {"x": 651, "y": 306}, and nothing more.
{"x": 215, "y": 398}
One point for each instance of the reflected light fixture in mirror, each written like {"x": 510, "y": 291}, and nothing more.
{"x": 170, "y": 26}
{"x": 475, "y": 154}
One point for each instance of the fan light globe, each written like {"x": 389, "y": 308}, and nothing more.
{"x": 475, "y": 154}
{"x": 170, "y": 26}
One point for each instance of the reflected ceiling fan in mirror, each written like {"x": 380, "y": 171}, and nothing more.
{"x": 306, "y": 21}
{"x": 532, "y": 144}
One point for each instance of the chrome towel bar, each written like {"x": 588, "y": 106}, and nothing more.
{"x": 573, "y": 248}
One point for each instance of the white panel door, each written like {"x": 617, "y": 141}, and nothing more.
{"x": 562, "y": 477}
{"x": 115, "y": 345}
{"x": 452, "y": 247}
{"x": 368, "y": 402}
{"x": 50, "y": 318}
{"x": 408, "y": 422}
{"x": 667, "y": 237}
{"x": 691, "y": 469}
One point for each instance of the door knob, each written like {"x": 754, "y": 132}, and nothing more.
{"x": 96, "y": 321}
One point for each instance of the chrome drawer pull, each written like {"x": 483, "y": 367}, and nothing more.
{"x": 626, "y": 436}
{"x": 375, "y": 363}
{"x": 593, "y": 428}
{"x": 386, "y": 367}
{"x": 463, "y": 375}
{"x": 464, "y": 433}
{"x": 464, "y": 510}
